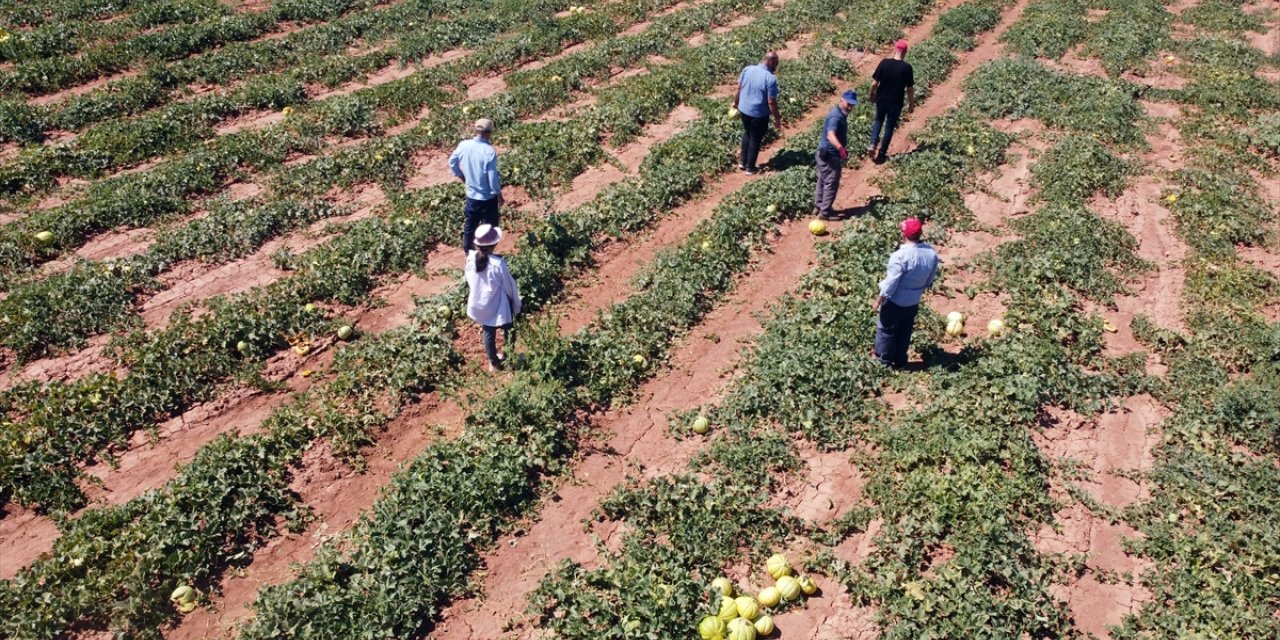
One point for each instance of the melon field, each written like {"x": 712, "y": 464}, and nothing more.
{"x": 241, "y": 397}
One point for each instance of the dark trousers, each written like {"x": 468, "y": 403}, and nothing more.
{"x": 753, "y": 130}
{"x": 491, "y": 342}
{"x": 887, "y": 117}
{"x": 830, "y": 167}
{"x": 478, "y": 212}
{"x": 893, "y": 333}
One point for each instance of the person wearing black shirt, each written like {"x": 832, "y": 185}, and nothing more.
{"x": 892, "y": 80}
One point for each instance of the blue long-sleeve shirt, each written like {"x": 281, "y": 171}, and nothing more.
{"x": 911, "y": 271}
{"x": 476, "y": 161}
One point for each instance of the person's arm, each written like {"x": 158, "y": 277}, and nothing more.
{"x": 455, "y": 164}
{"x": 773, "y": 104}
{"x": 513, "y": 291}
{"x": 889, "y": 285}
{"x": 911, "y": 89}
{"x": 871, "y": 95}
{"x": 469, "y": 270}
{"x": 932, "y": 273}
{"x": 835, "y": 142}
{"x": 495, "y": 180}
{"x": 738, "y": 94}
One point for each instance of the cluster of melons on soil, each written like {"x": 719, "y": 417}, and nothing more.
{"x": 743, "y": 617}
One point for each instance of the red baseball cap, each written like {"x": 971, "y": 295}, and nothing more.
{"x": 900, "y": 45}
{"x": 911, "y": 228}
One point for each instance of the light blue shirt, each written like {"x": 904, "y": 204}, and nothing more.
{"x": 911, "y": 271}
{"x": 476, "y": 161}
{"x": 758, "y": 85}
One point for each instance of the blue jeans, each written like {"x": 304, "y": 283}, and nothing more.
{"x": 887, "y": 117}
{"x": 478, "y": 212}
{"x": 491, "y": 342}
{"x": 893, "y": 333}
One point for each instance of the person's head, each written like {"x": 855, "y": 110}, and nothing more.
{"x": 848, "y": 99}
{"x": 484, "y": 128}
{"x": 487, "y": 237}
{"x": 900, "y": 49}
{"x": 770, "y": 61}
{"x": 912, "y": 229}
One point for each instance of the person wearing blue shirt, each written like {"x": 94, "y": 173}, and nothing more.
{"x": 911, "y": 271}
{"x": 755, "y": 100}
{"x": 832, "y": 154}
{"x": 475, "y": 162}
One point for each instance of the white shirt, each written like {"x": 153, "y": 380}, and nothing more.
{"x": 494, "y": 300}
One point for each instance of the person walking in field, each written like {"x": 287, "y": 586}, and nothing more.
{"x": 475, "y": 162}
{"x": 755, "y": 100}
{"x": 832, "y": 153}
{"x": 494, "y": 299}
{"x": 893, "y": 80}
{"x": 911, "y": 271}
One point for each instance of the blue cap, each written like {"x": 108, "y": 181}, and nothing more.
{"x": 850, "y": 96}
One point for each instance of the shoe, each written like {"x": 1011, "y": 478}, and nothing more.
{"x": 824, "y": 216}
{"x": 871, "y": 151}
{"x": 742, "y": 167}
{"x": 750, "y": 172}
{"x": 881, "y": 159}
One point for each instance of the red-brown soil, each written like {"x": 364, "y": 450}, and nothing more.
{"x": 1116, "y": 442}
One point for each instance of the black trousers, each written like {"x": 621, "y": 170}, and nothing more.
{"x": 478, "y": 212}
{"x": 887, "y": 118}
{"x": 753, "y": 130}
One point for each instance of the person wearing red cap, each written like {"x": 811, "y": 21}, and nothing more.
{"x": 911, "y": 271}
{"x": 892, "y": 80}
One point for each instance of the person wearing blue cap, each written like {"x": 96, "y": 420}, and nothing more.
{"x": 832, "y": 153}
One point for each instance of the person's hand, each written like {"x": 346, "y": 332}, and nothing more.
{"x": 844, "y": 153}
{"x": 875, "y": 305}
{"x": 499, "y": 198}
{"x": 911, "y": 106}
{"x": 777, "y": 122}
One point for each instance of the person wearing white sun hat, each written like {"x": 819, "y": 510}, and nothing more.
{"x": 494, "y": 299}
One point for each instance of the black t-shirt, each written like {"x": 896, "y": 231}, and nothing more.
{"x": 894, "y": 77}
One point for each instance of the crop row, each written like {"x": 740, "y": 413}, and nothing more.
{"x": 551, "y": 252}
{"x": 54, "y": 73}
{"x": 335, "y": 271}
{"x": 1125, "y": 38}
{"x": 34, "y": 14}
{"x": 116, "y": 144}
{"x": 142, "y": 198}
{"x": 69, "y": 36}
{"x": 313, "y": 53}
{"x": 63, "y": 309}
{"x": 1213, "y": 513}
